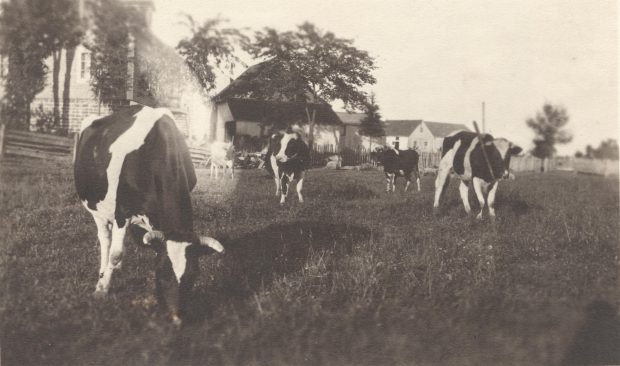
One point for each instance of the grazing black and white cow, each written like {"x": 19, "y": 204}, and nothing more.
{"x": 288, "y": 157}
{"x": 133, "y": 169}
{"x": 399, "y": 163}
{"x": 462, "y": 153}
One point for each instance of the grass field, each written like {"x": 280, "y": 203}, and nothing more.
{"x": 354, "y": 276}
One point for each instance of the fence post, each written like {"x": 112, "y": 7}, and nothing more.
{"x": 2, "y": 126}
{"x": 76, "y": 138}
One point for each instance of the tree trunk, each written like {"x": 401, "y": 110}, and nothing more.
{"x": 542, "y": 165}
{"x": 66, "y": 92}
{"x": 56, "y": 55}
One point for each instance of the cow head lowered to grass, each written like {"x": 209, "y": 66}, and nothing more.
{"x": 133, "y": 168}
{"x": 462, "y": 152}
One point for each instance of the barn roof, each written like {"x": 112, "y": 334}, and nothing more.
{"x": 255, "y": 110}
{"x": 401, "y": 127}
{"x": 441, "y": 129}
{"x": 349, "y": 118}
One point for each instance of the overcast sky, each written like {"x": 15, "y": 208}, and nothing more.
{"x": 438, "y": 60}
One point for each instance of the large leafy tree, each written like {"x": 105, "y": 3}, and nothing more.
{"x": 371, "y": 125}
{"x": 311, "y": 65}
{"x": 25, "y": 45}
{"x": 210, "y": 47}
{"x": 549, "y": 127}
{"x": 115, "y": 28}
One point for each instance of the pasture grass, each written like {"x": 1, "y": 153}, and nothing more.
{"x": 353, "y": 276}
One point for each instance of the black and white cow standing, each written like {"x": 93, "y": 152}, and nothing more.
{"x": 133, "y": 168}
{"x": 288, "y": 157}
{"x": 462, "y": 153}
{"x": 399, "y": 163}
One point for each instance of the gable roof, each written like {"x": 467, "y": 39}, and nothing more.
{"x": 441, "y": 129}
{"x": 401, "y": 127}
{"x": 254, "y": 110}
{"x": 242, "y": 84}
{"x": 351, "y": 118}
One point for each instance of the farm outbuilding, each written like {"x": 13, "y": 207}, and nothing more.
{"x": 243, "y": 117}
{"x": 422, "y": 135}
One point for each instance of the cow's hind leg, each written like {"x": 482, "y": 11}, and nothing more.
{"x": 104, "y": 234}
{"x": 284, "y": 187}
{"x": 441, "y": 182}
{"x": 464, "y": 190}
{"x": 417, "y": 178}
{"x": 491, "y": 200}
{"x": 300, "y": 185}
{"x": 114, "y": 260}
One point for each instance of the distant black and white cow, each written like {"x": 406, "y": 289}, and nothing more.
{"x": 462, "y": 153}
{"x": 133, "y": 167}
{"x": 288, "y": 157}
{"x": 399, "y": 163}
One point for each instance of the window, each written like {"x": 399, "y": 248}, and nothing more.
{"x": 421, "y": 129}
{"x": 85, "y": 65}
{"x": 415, "y": 143}
{"x": 396, "y": 138}
{"x": 425, "y": 143}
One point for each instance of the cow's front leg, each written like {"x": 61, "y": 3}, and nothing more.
{"x": 114, "y": 260}
{"x": 478, "y": 187}
{"x": 300, "y": 185}
{"x": 464, "y": 190}
{"x": 491, "y": 200}
{"x": 284, "y": 188}
{"x": 408, "y": 180}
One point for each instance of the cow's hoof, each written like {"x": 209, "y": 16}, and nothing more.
{"x": 100, "y": 294}
{"x": 436, "y": 211}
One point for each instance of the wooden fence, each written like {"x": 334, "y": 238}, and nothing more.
{"x": 43, "y": 146}
{"x": 36, "y": 145}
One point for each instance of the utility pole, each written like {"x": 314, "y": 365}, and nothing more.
{"x": 484, "y": 129}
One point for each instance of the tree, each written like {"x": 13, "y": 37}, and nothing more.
{"x": 24, "y": 44}
{"x": 114, "y": 29}
{"x": 210, "y": 47}
{"x": 608, "y": 149}
{"x": 312, "y": 65}
{"x": 371, "y": 125}
{"x": 549, "y": 128}
{"x": 62, "y": 30}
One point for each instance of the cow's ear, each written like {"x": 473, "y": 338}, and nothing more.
{"x": 515, "y": 150}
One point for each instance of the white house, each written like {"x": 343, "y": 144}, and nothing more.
{"x": 350, "y": 138}
{"x": 422, "y": 135}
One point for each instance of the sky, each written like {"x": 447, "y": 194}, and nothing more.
{"x": 439, "y": 60}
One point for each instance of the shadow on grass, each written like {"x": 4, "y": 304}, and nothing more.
{"x": 254, "y": 260}
{"x": 597, "y": 342}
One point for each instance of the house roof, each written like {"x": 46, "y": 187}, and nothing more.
{"x": 351, "y": 118}
{"x": 243, "y": 109}
{"x": 242, "y": 84}
{"x": 441, "y": 129}
{"x": 401, "y": 127}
